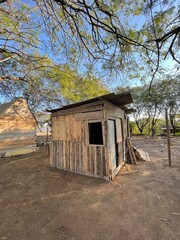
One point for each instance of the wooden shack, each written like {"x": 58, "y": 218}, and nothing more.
{"x": 17, "y": 124}
{"x": 89, "y": 137}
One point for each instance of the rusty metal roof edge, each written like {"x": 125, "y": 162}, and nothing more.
{"x": 108, "y": 97}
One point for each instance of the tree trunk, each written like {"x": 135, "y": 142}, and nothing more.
{"x": 173, "y": 125}
{"x": 139, "y": 128}
{"x": 153, "y": 132}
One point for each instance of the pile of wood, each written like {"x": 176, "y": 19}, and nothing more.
{"x": 141, "y": 155}
{"x": 135, "y": 154}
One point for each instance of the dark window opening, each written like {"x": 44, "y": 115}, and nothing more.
{"x": 95, "y": 133}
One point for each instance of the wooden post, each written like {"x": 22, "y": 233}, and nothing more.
{"x": 128, "y": 128}
{"x": 47, "y": 140}
{"x": 168, "y": 138}
{"x": 131, "y": 151}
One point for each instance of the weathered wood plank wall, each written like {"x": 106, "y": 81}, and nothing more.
{"x": 66, "y": 128}
{"x": 71, "y": 156}
{"x": 97, "y": 164}
{"x": 71, "y": 149}
{"x": 17, "y": 125}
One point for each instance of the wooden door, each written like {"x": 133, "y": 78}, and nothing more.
{"x": 119, "y": 140}
{"x": 112, "y": 143}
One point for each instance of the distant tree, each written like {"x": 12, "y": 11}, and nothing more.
{"x": 140, "y": 96}
{"x": 165, "y": 93}
{"x": 170, "y": 91}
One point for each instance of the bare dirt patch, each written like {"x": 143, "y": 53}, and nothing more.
{"x": 37, "y": 202}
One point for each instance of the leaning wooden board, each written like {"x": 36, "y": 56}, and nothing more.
{"x": 131, "y": 151}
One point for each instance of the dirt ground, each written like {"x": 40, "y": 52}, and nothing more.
{"x": 143, "y": 202}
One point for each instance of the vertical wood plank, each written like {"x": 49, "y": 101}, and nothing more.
{"x": 58, "y": 162}
{"x": 55, "y": 160}
{"x": 57, "y": 149}
{"x": 89, "y": 159}
{"x": 60, "y": 154}
{"x": 64, "y": 155}
{"x": 77, "y": 156}
{"x": 98, "y": 161}
{"x": 83, "y": 157}
{"x": 86, "y": 146}
{"x": 93, "y": 153}
{"x": 107, "y": 158}
{"x": 80, "y": 157}
{"x": 50, "y": 153}
{"x": 131, "y": 152}
{"x": 67, "y": 156}
{"x": 125, "y": 133}
{"x": 95, "y": 162}
{"x": 74, "y": 156}
{"x": 71, "y": 157}
{"x": 104, "y": 162}
{"x": 54, "y": 153}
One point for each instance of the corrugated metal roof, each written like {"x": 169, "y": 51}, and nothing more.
{"x": 5, "y": 106}
{"x": 119, "y": 100}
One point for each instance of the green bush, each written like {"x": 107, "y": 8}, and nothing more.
{"x": 160, "y": 123}
{"x": 134, "y": 128}
{"x": 177, "y": 134}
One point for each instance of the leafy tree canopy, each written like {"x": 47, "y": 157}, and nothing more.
{"x": 129, "y": 36}
{"x": 50, "y": 85}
